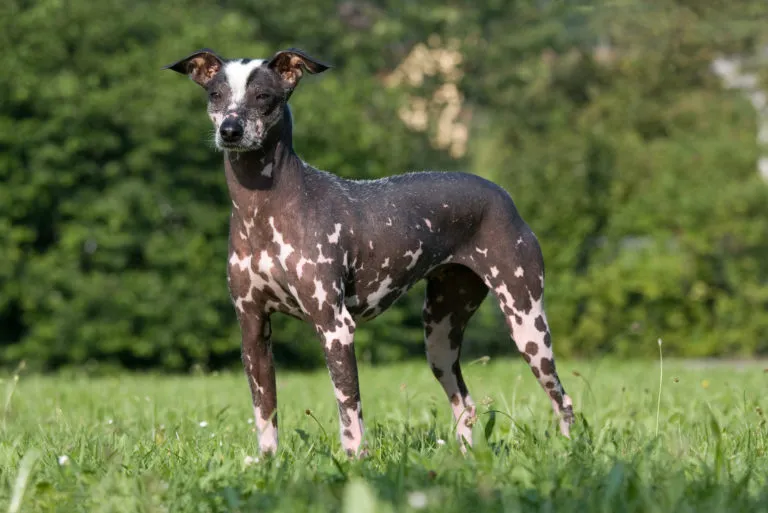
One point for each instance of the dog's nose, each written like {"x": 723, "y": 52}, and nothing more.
{"x": 231, "y": 130}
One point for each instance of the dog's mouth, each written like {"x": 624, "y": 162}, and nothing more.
{"x": 237, "y": 146}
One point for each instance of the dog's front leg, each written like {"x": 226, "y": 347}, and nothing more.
{"x": 257, "y": 359}
{"x": 337, "y": 334}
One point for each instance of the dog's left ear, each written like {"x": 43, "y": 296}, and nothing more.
{"x": 290, "y": 66}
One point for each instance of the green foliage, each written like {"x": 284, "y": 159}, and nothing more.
{"x": 185, "y": 443}
{"x": 637, "y": 171}
{"x": 115, "y": 210}
{"x": 635, "y": 168}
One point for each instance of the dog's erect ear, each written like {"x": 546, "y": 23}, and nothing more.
{"x": 201, "y": 66}
{"x": 290, "y": 65}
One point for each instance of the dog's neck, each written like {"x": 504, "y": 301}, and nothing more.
{"x": 273, "y": 165}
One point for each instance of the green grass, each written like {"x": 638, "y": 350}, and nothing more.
{"x": 135, "y": 443}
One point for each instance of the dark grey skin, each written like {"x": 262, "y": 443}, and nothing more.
{"x": 336, "y": 252}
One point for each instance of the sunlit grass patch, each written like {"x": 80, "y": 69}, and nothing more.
{"x": 154, "y": 443}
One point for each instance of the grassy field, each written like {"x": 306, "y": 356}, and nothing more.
{"x": 179, "y": 444}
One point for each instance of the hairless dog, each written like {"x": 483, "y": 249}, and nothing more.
{"x": 336, "y": 252}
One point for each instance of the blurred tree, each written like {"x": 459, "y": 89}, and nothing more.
{"x": 624, "y": 128}
{"x": 621, "y": 148}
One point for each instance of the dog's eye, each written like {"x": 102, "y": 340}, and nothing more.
{"x": 262, "y": 96}
{"x": 213, "y": 96}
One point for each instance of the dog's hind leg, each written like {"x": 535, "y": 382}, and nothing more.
{"x": 516, "y": 276}
{"x": 454, "y": 293}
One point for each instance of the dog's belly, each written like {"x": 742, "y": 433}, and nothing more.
{"x": 382, "y": 277}
{"x": 373, "y": 298}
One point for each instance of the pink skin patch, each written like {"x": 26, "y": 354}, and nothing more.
{"x": 442, "y": 357}
{"x": 267, "y": 431}
{"x": 351, "y": 435}
{"x": 465, "y": 414}
{"x": 340, "y": 355}
{"x": 530, "y": 331}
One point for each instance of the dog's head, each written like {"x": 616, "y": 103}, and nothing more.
{"x": 246, "y": 97}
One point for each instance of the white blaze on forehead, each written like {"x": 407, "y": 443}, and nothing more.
{"x": 237, "y": 75}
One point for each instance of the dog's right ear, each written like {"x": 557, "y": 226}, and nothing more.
{"x": 201, "y": 66}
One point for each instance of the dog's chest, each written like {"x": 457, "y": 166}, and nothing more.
{"x": 277, "y": 265}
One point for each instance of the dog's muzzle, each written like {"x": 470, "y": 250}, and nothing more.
{"x": 231, "y": 129}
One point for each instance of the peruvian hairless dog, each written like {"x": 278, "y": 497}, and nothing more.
{"x": 335, "y": 252}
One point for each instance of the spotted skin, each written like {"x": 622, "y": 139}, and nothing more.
{"x": 335, "y": 252}
{"x": 260, "y": 371}
{"x": 337, "y": 334}
{"x": 519, "y": 287}
{"x": 453, "y": 295}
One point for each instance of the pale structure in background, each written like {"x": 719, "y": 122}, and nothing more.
{"x": 739, "y": 72}
{"x": 444, "y": 108}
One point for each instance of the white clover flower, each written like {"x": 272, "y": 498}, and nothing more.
{"x": 203, "y": 424}
{"x": 63, "y": 460}
{"x": 440, "y": 441}
{"x": 250, "y": 460}
{"x": 417, "y": 500}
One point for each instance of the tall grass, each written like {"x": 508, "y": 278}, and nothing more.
{"x": 178, "y": 444}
